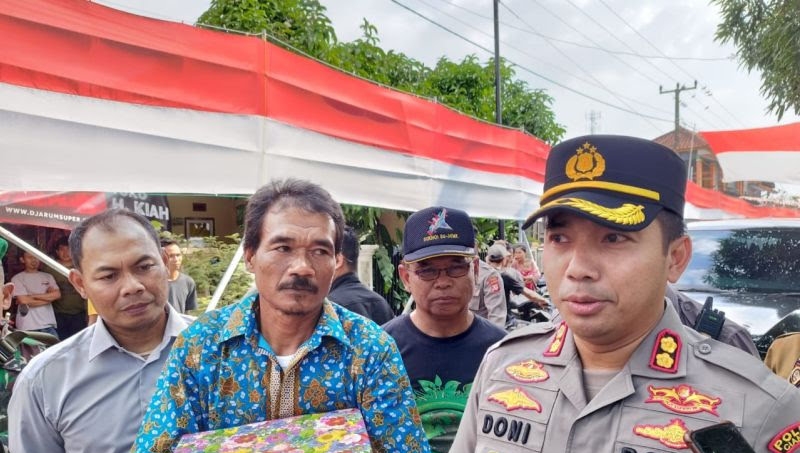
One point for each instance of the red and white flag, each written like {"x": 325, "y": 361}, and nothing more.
{"x": 94, "y": 99}
{"x": 763, "y": 154}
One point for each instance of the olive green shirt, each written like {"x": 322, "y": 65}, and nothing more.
{"x": 70, "y": 302}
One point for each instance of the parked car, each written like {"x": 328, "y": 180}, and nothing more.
{"x": 751, "y": 268}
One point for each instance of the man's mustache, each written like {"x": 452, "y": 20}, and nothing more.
{"x": 300, "y": 284}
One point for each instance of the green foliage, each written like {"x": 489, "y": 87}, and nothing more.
{"x": 466, "y": 86}
{"x": 207, "y": 264}
{"x": 767, "y": 38}
{"x": 366, "y": 222}
{"x": 299, "y": 23}
{"x": 756, "y": 260}
{"x": 363, "y": 57}
{"x": 489, "y": 231}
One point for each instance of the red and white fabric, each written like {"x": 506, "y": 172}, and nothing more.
{"x": 762, "y": 154}
{"x": 95, "y": 99}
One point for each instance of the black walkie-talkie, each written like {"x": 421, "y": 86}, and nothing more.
{"x": 710, "y": 320}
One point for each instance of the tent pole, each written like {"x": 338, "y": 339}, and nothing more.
{"x": 41, "y": 256}
{"x": 226, "y": 278}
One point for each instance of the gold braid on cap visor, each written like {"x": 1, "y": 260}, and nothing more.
{"x": 627, "y": 214}
{"x": 604, "y": 185}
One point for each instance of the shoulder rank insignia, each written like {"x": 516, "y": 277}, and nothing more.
{"x": 554, "y": 349}
{"x": 515, "y": 399}
{"x": 666, "y": 352}
{"x": 527, "y": 371}
{"x": 683, "y": 399}
{"x": 670, "y": 435}
{"x": 786, "y": 441}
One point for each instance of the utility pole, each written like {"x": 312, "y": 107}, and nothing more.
{"x": 593, "y": 117}
{"x": 677, "y": 91}
{"x": 498, "y": 91}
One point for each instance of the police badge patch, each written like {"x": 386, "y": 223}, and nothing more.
{"x": 527, "y": 371}
{"x": 794, "y": 376}
{"x": 786, "y": 441}
{"x": 670, "y": 435}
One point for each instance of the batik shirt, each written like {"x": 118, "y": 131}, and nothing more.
{"x": 219, "y": 375}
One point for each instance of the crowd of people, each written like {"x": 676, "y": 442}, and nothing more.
{"x": 617, "y": 368}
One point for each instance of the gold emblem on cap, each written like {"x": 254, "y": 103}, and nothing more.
{"x": 627, "y": 214}
{"x": 587, "y": 163}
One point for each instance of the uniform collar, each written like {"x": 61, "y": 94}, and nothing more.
{"x": 669, "y": 325}
{"x": 640, "y": 360}
{"x": 103, "y": 340}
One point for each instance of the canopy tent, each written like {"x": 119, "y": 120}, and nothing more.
{"x": 762, "y": 154}
{"x": 95, "y": 99}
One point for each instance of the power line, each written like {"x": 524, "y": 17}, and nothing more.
{"x": 673, "y": 63}
{"x": 678, "y": 89}
{"x": 588, "y": 46}
{"x": 594, "y": 81}
{"x": 531, "y": 30}
{"x": 530, "y": 71}
{"x": 580, "y": 68}
{"x": 613, "y": 35}
{"x": 632, "y": 68}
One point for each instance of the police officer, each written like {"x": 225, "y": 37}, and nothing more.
{"x": 489, "y": 297}
{"x": 783, "y": 357}
{"x": 620, "y": 373}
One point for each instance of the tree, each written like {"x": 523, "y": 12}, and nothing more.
{"x": 467, "y": 86}
{"x": 776, "y": 267}
{"x": 301, "y": 24}
{"x": 767, "y": 37}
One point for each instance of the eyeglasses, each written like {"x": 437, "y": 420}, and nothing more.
{"x": 453, "y": 271}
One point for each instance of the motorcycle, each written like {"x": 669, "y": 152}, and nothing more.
{"x": 17, "y": 347}
{"x": 523, "y": 312}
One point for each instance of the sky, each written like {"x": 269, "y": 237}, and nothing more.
{"x": 604, "y": 62}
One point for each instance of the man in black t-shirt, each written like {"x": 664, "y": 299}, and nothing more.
{"x": 348, "y": 291}
{"x": 442, "y": 342}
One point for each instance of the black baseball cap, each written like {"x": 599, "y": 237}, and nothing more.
{"x": 437, "y": 231}
{"x": 617, "y": 181}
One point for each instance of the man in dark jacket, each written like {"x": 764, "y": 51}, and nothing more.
{"x": 348, "y": 291}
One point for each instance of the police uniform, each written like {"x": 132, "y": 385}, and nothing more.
{"x": 783, "y": 357}
{"x": 488, "y": 299}
{"x": 528, "y": 396}
{"x": 530, "y": 393}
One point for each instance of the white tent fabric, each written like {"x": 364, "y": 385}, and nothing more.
{"x": 90, "y": 144}
{"x": 94, "y": 99}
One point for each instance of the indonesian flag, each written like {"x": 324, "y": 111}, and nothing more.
{"x": 97, "y": 100}
{"x": 763, "y": 154}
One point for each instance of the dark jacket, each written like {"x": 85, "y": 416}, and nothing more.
{"x": 350, "y": 293}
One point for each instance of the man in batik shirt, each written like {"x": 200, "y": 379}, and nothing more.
{"x": 286, "y": 350}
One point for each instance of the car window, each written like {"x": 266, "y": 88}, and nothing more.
{"x": 750, "y": 260}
